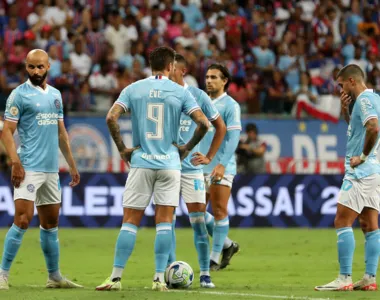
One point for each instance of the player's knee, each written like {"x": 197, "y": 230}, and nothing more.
{"x": 22, "y": 221}
{"x": 49, "y": 224}
{"x": 220, "y": 213}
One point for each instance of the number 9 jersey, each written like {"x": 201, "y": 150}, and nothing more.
{"x": 156, "y": 104}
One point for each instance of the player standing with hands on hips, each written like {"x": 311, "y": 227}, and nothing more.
{"x": 35, "y": 109}
{"x": 220, "y": 172}
{"x": 360, "y": 192}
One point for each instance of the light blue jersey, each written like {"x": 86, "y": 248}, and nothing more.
{"x": 229, "y": 110}
{"x": 188, "y": 127}
{"x": 366, "y": 107}
{"x": 36, "y": 112}
{"x": 156, "y": 104}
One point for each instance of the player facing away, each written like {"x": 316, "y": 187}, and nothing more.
{"x": 192, "y": 180}
{"x": 35, "y": 109}
{"x": 359, "y": 194}
{"x": 220, "y": 173}
{"x": 155, "y": 104}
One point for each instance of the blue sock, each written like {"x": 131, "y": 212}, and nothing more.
{"x": 12, "y": 243}
{"x": 346, "y": 248}
{"x": 50, "y": 247}
{"x": 201, "y": 241}
{"x": 372, "y": 252}
{"x": 220, "y": 233}
{"x": 172, "y": 256}
{"x": 124, "y": 245}
{"x": 209, "y": 223}
{"x": 162, "y": 245}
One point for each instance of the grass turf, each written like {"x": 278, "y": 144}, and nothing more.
{"x": 272, "y": 264}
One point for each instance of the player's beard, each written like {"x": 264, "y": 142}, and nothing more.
{"x": 37, "y": 80}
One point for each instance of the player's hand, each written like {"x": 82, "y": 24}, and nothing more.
{"x": 18, "y": 174}
{"x": 126, "y": 154}
{"x": 182, "y": 150}
{"x": 200, "y": 159}
{"x": 218, "y": 173}
{"x": 355, "y": 161}
{"x": 75, "y": 177}
{"x": 345, "y": 101}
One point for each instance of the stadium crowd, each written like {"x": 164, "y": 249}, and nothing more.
{"x": 282, "y": 54}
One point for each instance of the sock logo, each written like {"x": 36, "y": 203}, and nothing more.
{"x": 30, "y": 188}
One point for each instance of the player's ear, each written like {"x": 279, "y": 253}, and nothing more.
{"x": 184, "y": 71}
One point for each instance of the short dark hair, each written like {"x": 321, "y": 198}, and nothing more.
{"x": 251, "y": 127}
{"x": 181, "y": 59}
{"x": 160, "y": 58}
{"x": 225, "y": 73}
{"x": 351, "y": 70}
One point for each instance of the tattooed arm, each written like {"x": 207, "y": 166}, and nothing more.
{"x": 112, "y": 122}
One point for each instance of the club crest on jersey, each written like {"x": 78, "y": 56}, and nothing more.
{"x": 57, "y": 104}
{"x": 30, "y": 188}
{"x": 13, "y": 111}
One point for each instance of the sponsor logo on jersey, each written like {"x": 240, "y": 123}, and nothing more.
{"x": 155, "y": 156}
{"x": 30, "y": 188}
{"x": 45, "y": 119}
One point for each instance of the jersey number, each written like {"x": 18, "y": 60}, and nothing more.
{"x": 156, "y": 115}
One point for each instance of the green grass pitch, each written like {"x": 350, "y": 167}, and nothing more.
{"x": 272, "y": 264}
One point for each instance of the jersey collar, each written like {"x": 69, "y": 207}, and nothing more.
{"x": 366, "y": 90}
{"x": 158, "y": 77}
{"x": 219, "y": 98}
{"x": 45, "y": 91}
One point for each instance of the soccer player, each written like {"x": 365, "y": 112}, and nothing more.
{"x": 192, "y": 180}
{"x": 220, "y": 173}
{"x": 359, "y": 194}
{"x": 156, "y": 104}
{"x": 35, "y": 109}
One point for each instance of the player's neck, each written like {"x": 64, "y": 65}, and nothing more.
{"x": 216, "y": 94}
{"x": 360, "y": 89}
{"x": 162, "y": 73}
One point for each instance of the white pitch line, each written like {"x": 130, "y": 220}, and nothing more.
{"x": 249, "y": 295}
{"x": 252, "y": 295}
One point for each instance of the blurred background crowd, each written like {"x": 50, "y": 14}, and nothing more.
{"x": 280, "y": 53}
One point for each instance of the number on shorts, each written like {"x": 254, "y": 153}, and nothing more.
{"x": 156, "y": 114}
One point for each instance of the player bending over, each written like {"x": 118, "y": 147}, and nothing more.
{"x": 155, "y": 104}
{"x": 192, "y": 180}
{"x": 35, "y": 109}
{"x": 359, "y": 194}
{"x": 220, "y": 173}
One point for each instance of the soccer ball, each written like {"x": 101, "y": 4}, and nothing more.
{"x": 179, "y": 275}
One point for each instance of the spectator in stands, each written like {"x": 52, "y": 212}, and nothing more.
{"x": 55, "y": 62}
{"x": 193, "y": 15}
{"x": 358, "y": 59}
{"x": 103, "y": 85}
{"x": 265, "y": 58}
{"x": 278, "y": 94}
{"x": 174, "y": 28}
{"x": 250, "y": 152}
{"x": 80, "y": 61}
{"x": 154, "y": 16}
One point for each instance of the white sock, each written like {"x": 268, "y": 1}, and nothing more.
{"x": 215, "y": 257}
{"x": 227, "y": 243}
{"x": 205, "y": 273}
{"x": 4, "y": 273}
{"x": 116, "y": 272}
{"x": 56, "y": 276}
{"x": 160, "y": 276}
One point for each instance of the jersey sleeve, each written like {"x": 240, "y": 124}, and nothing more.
{"x": 13, "y": 109}
{"x": 232, "y": 118}
{"x": 124, "y": 98}
{"x": 189, "y": 105}
{"x": 367, "y": 110}
{"x": 209, "y": 108}
{"x": 60, "y": 110}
